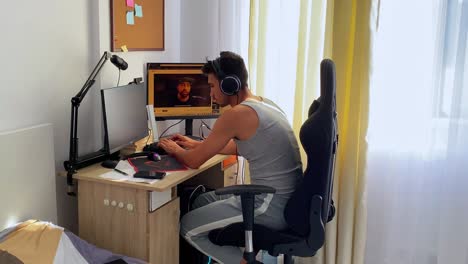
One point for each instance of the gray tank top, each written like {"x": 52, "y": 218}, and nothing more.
{"x": 272, "y": 152}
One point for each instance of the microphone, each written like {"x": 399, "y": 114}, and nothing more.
{"x": 119, "y": 62}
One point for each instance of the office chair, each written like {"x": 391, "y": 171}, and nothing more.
{"x": 310, "y": 206}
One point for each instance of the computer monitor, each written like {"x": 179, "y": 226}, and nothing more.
{"x": 125, "y": 115}
{"x": 180, "y": 91}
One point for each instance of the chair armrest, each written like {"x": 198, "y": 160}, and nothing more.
{"x": 245, "y": 189}
{"x": 247, "y": 194}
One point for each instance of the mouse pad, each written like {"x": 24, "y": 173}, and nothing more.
{"x": 166, "y": 164}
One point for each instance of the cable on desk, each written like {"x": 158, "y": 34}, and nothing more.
{"x": 207, "y": 126}
{"x": 200, "y": 131}
{"x": 118, "y": 81}
{"x": 150, "y": 135}
{"x": 162, "y": 134}
{"x": 200, "y": 128}
{"x": 190, "y": 197}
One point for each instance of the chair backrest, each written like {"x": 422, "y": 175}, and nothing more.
{"x": 319, "y": 137}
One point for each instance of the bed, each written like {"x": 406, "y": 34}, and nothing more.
{"x": 35, "y": 241}
{"x": 28, "y": 191}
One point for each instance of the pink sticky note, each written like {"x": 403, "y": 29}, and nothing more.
{"x": 130, "y": 3}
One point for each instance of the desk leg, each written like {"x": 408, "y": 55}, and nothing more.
{"x": 164, "y": 233}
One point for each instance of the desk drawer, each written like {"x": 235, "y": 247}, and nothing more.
{"x": 114, "y": 218}
{"x": 157, "y": 199}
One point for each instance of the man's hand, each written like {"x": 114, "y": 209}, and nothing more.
{"x": 169, "y": 146}
{"x": 185, "y": 142}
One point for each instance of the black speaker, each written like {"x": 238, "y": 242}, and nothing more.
{"x": 229, "y": 83}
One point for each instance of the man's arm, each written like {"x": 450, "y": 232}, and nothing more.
{"x": 187, "y": 143}
{"x": 223, "y": 131}
{"x": 230, "y": 148}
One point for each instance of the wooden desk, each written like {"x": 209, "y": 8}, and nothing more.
{"x": 115, "y": 215}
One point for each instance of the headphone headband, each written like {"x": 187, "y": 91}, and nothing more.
{"x": 217, "y": 69}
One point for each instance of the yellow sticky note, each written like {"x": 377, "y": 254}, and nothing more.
{"x": 124, "y": 48}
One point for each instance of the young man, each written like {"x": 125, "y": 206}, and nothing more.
{"x": 254, "y": 128}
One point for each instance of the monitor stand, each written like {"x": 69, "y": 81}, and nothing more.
{"x": 189, "y": 129}
{"x": 153, "y": 147}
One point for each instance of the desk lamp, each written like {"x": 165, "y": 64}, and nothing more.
{"x": 74, "y": 162}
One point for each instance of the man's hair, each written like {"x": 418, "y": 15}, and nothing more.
{"x": 230, "y": 63}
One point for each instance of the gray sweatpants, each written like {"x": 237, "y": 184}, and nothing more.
{"x": 213, "y": 211}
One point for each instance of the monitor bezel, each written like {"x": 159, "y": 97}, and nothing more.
{"x": 107, "y": 147}
{"x": 168, "y": 113}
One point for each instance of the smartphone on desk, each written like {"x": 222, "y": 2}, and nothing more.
{"x": 153, "y": 175}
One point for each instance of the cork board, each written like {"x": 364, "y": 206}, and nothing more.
{"x": 147, "y": 30}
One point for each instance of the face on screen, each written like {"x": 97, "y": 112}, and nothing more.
{"x": 183, "y": 91}
{"x": 173, "y": 90}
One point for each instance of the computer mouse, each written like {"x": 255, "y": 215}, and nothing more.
{"x": 154, "y": 147}
{"x": 154, "y": 156}
{"x": 110, "y": 164}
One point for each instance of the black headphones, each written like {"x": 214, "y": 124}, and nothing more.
{"x": 229, "y": 83}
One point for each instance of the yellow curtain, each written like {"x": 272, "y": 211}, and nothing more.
{"x": 257, "y": 43}
{"x": 339, "y": 30}
{"x": 309, "y": 54}
{"x": 347, "y": 42}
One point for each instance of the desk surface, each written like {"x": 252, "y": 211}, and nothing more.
{"x": 92, "y": 173}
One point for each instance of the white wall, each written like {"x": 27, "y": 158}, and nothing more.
{"x": 211, "y": 26}
{"x": 50, "y": 47}
{"x": 48, "y": 50}
{"x": 45, "y": 59}
{"x": 199, "y": 30}
{"x": 24, "y": 184}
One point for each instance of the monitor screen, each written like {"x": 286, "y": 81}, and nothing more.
{"x": 125, "y": 116}
{"x": 180, "y": 90}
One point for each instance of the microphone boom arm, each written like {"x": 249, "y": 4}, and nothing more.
{"x": 90, "y": 81}
{"x": 74, "y": 162}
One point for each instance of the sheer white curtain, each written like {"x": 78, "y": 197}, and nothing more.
{"x": 418, "y": 134}
{"x": 274, "y": 51}
{"x": 233, "y": 26}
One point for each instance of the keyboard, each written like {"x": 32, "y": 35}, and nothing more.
{"x": 195, "y": 138}
{"x": 153, "y": 147}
